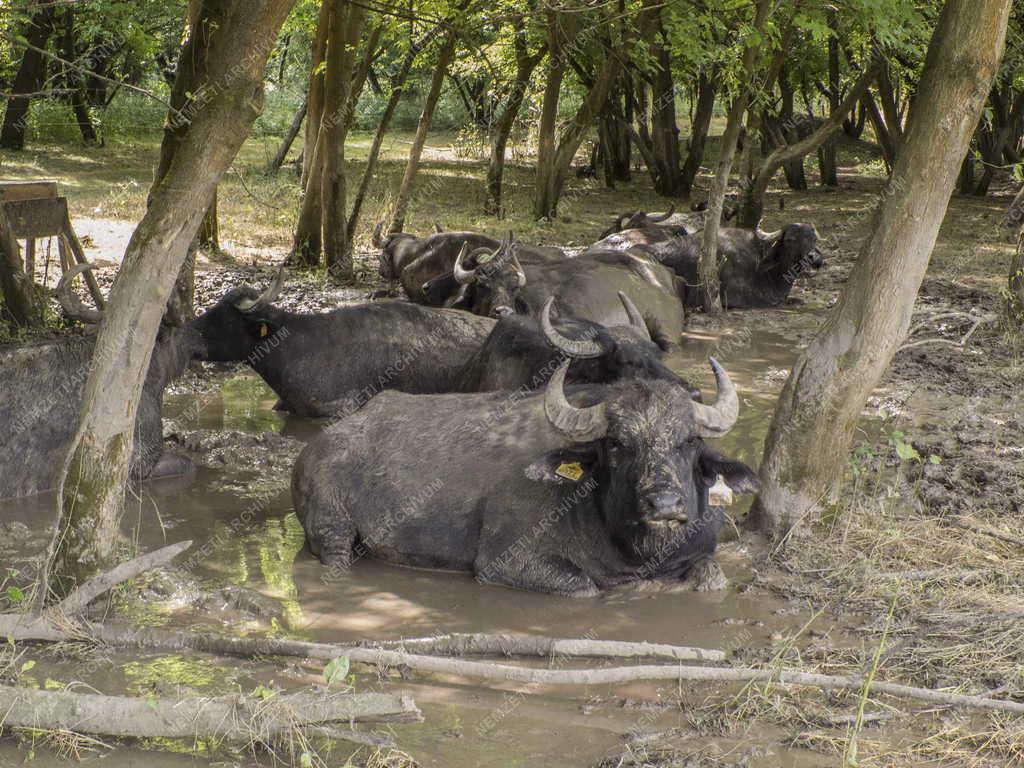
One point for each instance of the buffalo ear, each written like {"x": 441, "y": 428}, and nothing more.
{"x": 737, "y": 475}
{"x": 566, "y": 466}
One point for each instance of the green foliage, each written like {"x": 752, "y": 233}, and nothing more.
{"x": 336, "y": 670}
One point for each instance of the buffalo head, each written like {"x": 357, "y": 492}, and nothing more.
{"x": 490, "y": 280}
{"x": 644, "y": 447}
{"x": 790, "y": 250}
{"x": 234, "y": 327}
{"x": 637, "y": 220}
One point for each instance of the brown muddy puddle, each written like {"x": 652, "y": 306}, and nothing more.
{"x": 246, "y": 535}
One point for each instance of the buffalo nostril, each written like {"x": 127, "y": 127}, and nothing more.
{"x": 664, "y": 505}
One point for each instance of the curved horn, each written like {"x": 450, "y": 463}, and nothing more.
{"x": 69, "y": 301}
{"x": 438, "y": 229}
{"x": 520, "y": 272}
{"x": 663, "y": 217}
{"x": 578, "y": 424}
{"x": 575, "y": 349}
{"x": 378, "y": 241}
{"x": 636, "y": 320}
{"x": 462, "y": 275}
{"x": 716, "y": 420}
{"x": 266, "y": 298}
{"x": 765, "y": 236}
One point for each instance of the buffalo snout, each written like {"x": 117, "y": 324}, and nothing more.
{"x": 663, "y": 506}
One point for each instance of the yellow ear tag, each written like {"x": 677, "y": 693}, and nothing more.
{"x": 264, "y": 330}
{"x": 720, "y": 494}
{"x": 572, "y": 471}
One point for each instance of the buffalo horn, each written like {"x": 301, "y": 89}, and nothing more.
{"x": 266, "y": 298}
{"x": 462, "y": 275}
{"x": 636, "y": 319}
{"x": 716, "y": 420}
{"x": 664, "y": 216}
{"x": 571, "y": 347}
{"x": 766, "y": 237}
{"x": 578, "y": 424}
{"x": 69, "y": 301}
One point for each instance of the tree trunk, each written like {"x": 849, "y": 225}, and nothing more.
{"x": 397, "y": 88}
{"x": 664, "y": 126}
{"x": 289, "y": 138}
{"x": 76, "y": 82}
{"x": 809, "y": 439}
{"x": 702, "y": 114}
{"x": 1015, "y": 286}
{"x": 525, "y": 65}
{"x": 886, "y": 141}
{"x": 346, "y": 28}
{"x": 91, "y": 493}
{"x": 28, "y": 79}
{"x": 828, "y": 152}
{"x": 444, "y": 57}
{"x": 751, "y": 211}
{"x": 209, "y": 231}
{"x": 708, "y": 267}
{"x": 16, "y": 287}
{"x": 315, "y": 91}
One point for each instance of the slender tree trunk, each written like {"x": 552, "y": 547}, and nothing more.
{"x": 809, "y": 439}
{"x": 708, "y": 268}
{"x": 751, "y": 211}
{"x": 209, "y": 231}
{"x": 525, "y": 65}
{"x": 886, "y": 141}
{"x": 289, "y": 138}
{"x": 346, "y": 28}
{"x": 1015, "y": 285}
{"x": 702, "y": 114}
{"x": 397, "y": 88}
{"x": 16, "y": 287}
{"x": 28, "y": 79}
{"x": 444, "y": 58}
{"x": 315, "y": 90}
{"x": 664, "y": 126}
{"x": 92, "y": 491}
{"x": 76, "y": 82}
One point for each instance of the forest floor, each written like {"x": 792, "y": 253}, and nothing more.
{"x": 922, "y": 561}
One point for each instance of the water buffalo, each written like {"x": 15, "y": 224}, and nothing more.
{"x": 559, "y": 492}
{"x": 628, "y": 238}
{"x": 522, "y": 352}
{"x": 690, "y": 222}
{"x": 41, "y": 392}
{"x": 498, "y": 283}
{"x": 756, "y": 268}
{"x": 332, "y": 362}
{"x": 414, "y": 260}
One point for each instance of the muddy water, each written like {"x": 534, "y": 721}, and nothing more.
{"x": 245, "y": 534}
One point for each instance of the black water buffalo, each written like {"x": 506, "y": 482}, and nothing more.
{"x": 690, "y": 222}
{"x": 41, "y": 392}
{"x": 756, "y": 268}
{"x": 332, "y": 362}
{"x": 522, "y": 353}
{"x": 414, "y": 260}
{"x": 559, "y": 492}
{"x": 629, "y": 238}
{"x": 498, "y": 283}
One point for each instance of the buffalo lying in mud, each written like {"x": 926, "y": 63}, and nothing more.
{"x": 499, "y": 283}
{"x": 559, "y": 492}
{"x": 690, "y": 222}
{"x": 329, "y": 363}
{"x": 41, "y": 392}
{"x": 414, "y": 261}
{"x": 756, "y": 268}
{"x": 522, "y": 353}
{"x": 628, "y": 238}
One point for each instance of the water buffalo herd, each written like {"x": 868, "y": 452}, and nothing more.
{"x": 515, "y": 418}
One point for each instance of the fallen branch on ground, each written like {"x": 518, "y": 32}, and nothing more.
{"x": 975, "y": 320}
{"x": 150, "y": 638}
{"x": 81, "y": 596}
{"x": 230, "y": 718}
{"x": 970, "y": 525}
{"x": 457, "y": 644}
